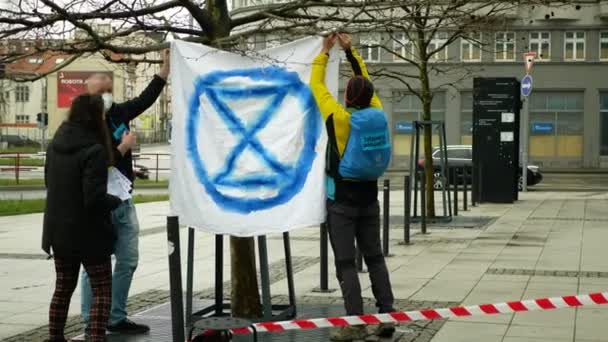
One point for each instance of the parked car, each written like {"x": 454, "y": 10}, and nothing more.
{"x": 461, "y": 156}
{"x": 141, "y": 171}
{"x": 14, "y": 140}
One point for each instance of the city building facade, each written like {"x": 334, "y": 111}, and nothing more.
{"x": 569, "y": 103}
{"x": 52, "y": 91}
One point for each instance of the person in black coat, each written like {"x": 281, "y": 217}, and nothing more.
{"x": 77, "y": 223}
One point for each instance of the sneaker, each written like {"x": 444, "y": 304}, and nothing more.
{"x": 128, "y": 327}
{"x": 384, "y": 330}
{"x": 349, "y": 334}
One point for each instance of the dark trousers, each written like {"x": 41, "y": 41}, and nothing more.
{"x": 347, "y": 224}
{"x": 100, "y": 274}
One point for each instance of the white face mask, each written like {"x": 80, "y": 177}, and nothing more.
{"x": 107, "y": 101}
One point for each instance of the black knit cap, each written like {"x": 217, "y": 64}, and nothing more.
{"x": 359, "y": 92}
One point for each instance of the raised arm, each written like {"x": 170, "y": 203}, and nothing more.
{"x": 136, "y": 106}
{"x": 327, "y": 104}
{"x": 357, "y": 64}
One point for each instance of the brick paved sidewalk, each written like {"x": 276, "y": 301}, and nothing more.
{"x": 548, "y": 244}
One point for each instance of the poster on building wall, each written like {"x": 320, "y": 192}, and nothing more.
{"x": 71, "y": 84}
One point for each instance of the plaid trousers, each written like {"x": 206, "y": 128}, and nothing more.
{"x": 100, "y": 274}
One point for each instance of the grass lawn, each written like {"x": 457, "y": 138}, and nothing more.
{"x": 22, "y": 162}
{"x": 30, "y": 206}
{"x": 139, "y": 183}
{"x": 20, "y": 150}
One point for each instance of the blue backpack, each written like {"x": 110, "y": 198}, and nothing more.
{"x": 368, "y": 150}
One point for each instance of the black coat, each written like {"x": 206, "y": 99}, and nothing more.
{"x": 77, "y": 221}
{"x": 123, "y": 113}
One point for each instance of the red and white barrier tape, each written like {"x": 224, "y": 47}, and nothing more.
{"x": 431, "y": 314}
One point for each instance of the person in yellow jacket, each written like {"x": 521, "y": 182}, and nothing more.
{"x": 353, "y": 212}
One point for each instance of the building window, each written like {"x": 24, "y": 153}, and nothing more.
{"x": 369, "y": 45}
{"x": 540, "y": 42}
{"x": 22, "y": 93}
{"x": 556, "y": 128}
{"x": 574, "y": 46}
{"x": 22, "y": 119}
{"x": 35, "y": 61}
{"x": 439, "y": 41}
{"x": 470, "y": 48}
{"x": 505, "y": 46}
{"x": 604, "y": 46}
{"x": 403, "y": 48}
{"x": 604, "y": 123}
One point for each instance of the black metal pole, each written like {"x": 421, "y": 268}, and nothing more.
{"x": 465, "y": 185}
{"x": 189, "y": 277}
{"x": 219, "y": 275}
{"x": 480, "y": 187}
{"x": 265, "y": 277}
{"x": 324, "y": 286}
{"x": 175, "y": 279}
{"x": 406, "y": 210}
{"x": 386, "y": 216}
{"x": 455, "y": 180}
{"x": 289, "y": 270}
{"x": 474, "y": 185}
{"x": 423, "y": 200}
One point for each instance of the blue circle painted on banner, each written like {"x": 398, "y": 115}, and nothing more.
{"x": 275, "y": 84}
{"x": 526, "y": 85}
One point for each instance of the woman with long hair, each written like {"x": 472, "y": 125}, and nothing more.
{"x": 77, "y": 224}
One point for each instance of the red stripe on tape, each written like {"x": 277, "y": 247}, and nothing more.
{"x": 338, "y": 322}
{"x": 241, "y": 331}
{"x": 517, "y": 306}
{"x": 431, "y": 314}
{"x": 460, "y": 311}
{"x": 489, "y": 309}
{"x": 572, "y": 301}
{"x": 598, "y": 298}
{"x": 370, "y": 319}
{"x": 305, "y": 324}
{"x": 545, "y": 304}
{"x": 400, "y": 316}
{"x": 271, "y": 327}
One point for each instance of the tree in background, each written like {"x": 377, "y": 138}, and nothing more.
{"x": 419, "y": 35}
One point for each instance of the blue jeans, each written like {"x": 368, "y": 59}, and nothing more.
{"x": 126, "y": 253}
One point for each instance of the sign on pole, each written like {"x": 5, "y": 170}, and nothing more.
{"x": 529, "y": 58}
{"x": 526, "y": 86}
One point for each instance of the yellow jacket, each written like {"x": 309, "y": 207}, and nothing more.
{"x": 335, "y": 115}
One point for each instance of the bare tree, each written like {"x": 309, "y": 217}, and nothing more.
{"x": 419, "y": 34}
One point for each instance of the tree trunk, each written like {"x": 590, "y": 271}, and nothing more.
{"x": 427, "y": 98}
{"x": 245, "y": 296}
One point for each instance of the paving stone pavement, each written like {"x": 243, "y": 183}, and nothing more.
{"x": 548, "y": 244}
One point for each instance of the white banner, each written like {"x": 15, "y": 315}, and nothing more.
{"x": 248, "y": 141}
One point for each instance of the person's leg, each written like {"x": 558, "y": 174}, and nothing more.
{"x": 368, "y": 240}
{"x": 85, "y": 298}
{"x": 341, "y": 220}
{"x": 100, "y": 274}
{"x": 126, "y": 252}
{"x": 65, "y": 284}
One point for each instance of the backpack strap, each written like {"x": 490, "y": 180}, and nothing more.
{"x": 332, "y": 162}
